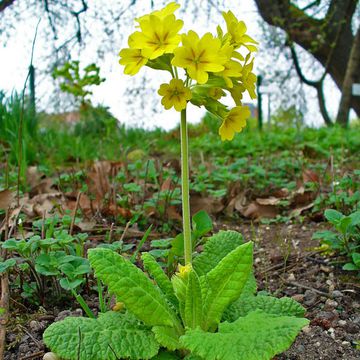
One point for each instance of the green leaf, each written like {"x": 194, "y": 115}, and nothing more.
{"x": 167, "y": 337}
{"x": 193, "y": 302}
{"x": 333, "y": 216}
{"x": 6, "y": 265}
{"x": 98, "y": 339}
{"x": 215, "y": 249}
{"x": 350, "y": 267}
{"x": 271, "y": 305}
{"x": 223, "y": 284}
{"x": 258, "y": 336}
{"x": 202, "y": 223}
{"x": 132, "y": 287}
{"x": 356, "y": 259}
{"x": 157, "y": 273}
{"x": 355, "y": 218}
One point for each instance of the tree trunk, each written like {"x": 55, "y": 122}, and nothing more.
{"x": 351, "y": 75}
{"x": 317, "y": 36}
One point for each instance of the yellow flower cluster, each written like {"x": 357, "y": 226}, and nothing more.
{"x": 213, "y": 65}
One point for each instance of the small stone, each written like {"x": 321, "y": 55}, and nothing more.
{"x": 50, "y": 356}
{"x": 337, "y": 294}
{"x": 310, "y": 298}
{"x": 301, "y": 348}
{"x": 291, "y": 277}
{"x": 341, "y": 323}
{"x": 317, "y": 344}
{"x": 345, "y": 343}
{"x": 257, "y": 260}
{"x": 330, "y": 304}
{"x": 298, "y": 297}
{"x": 331, "y": 332}
{"x": 325, "y": 269}
{"x": 35, "y": 326}
{"x": 306, "y": 329}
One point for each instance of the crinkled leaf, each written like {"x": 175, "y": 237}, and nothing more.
{"x": 215, "y": 249}
{"x": 98, "y": 339}
{"x": 223, "y": 284}
{"x": 132, "y": 287}
{"x": 258, "y": 336}
{"x": 167, "y": 337}
{"x": 282, "y": 307}
{"x": 157, "y": 273}
{"x": 193, "y": 302}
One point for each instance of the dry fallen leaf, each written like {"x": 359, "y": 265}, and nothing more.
{"x": 6, "y": 198}
{"x": 269, "y": 201}
{"x": 256, "y": 211}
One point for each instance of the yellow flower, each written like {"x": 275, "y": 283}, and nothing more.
{"x": 174, "y": 95}
{"x": 232, "y": 68}
{"x": 184, "y": 270}
{"x": 199, "y": 56}
{"x": 234, "y": 122}
{"x": 249, "y": 79}
{"x": 169, "y": 9}
{"x": 237, "y": 30}
{"x": 158, "y": 36}
{"x": 133, "y": 59}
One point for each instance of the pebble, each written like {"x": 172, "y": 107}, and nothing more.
{"x": 291, "y": 277}
{"x": 345, "y": 343}
{"x": 64, "y": 314}
{"x": 331, "y": 332}
{"x": 317, "y": 344}
{"x": 50, "y": 356}
{"x": 330, "y": 304}
{"x": 310, "y": 298}
{"x": 36, "y": 326}
{"x": 342, "y": 323}
{"x": 298, "y": 297}
{"x": 337, "y": 294}
{"x": 306, "y": 329}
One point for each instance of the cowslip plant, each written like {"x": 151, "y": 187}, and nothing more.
{"x": 209, "y": 308}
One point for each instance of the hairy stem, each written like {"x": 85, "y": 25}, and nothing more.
{"x": 185, "y": 188}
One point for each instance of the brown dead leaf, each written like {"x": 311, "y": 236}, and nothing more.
{"x": 296, "y": 212}
{"x": 303, "y": 197}
{"x": 210, "y": 204}
{"x": 166, "y": 185}
{"x": 238, "y": 203}
{"x": 256, "y": 211}
{"x": 310, "y": 176}
{"x": 269, "y": 201}
{"x": 86, "y": 225}
{"x": 172, "y": 213}
{"x": 117, "y": 210}
{"x": 6, "y": 198}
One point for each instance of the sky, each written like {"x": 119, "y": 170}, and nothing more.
{"x": 15, "y": 58}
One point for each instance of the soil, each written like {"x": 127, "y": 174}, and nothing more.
{"x": 287, "y": 263}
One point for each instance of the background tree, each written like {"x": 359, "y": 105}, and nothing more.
{"x": 329, "y": 38}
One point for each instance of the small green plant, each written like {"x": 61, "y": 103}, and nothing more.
{"x": 41, "y": 265}
{"x": 345, "y": 240}
{"x": 76, "y": 83}
{"x": 209, "y": 308}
